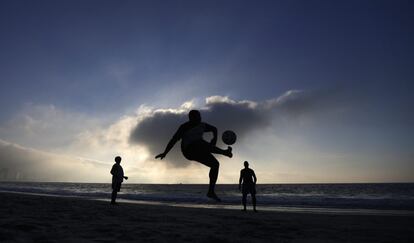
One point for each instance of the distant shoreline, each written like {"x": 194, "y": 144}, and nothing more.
{"x": 281, "y": 183}
{"x": 281, "y": 209}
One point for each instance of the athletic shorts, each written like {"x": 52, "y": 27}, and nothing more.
{"x": 249, "y": 188}
{"x": 116, "y": 186}
{"x": 197, "y": 150}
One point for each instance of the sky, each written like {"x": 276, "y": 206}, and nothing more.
{"x": 317, "y": 91}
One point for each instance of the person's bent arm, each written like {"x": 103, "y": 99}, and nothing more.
{"x": 254, "y": 178}
{"x": 171, "y": 143}
{"x": 213, "y": 129}
{"x": 113, "y": 170}
{"x": 240, "y": 180}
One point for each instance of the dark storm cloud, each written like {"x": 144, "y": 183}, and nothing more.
{"x": 243, "y": 117}
{"x": 155, "y": 131}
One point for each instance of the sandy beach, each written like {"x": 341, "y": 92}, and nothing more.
{"x": 33, "y": 218}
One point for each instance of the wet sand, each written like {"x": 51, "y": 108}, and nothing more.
{"x": 35, "y": 218}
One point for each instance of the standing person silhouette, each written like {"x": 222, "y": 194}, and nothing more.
{"x": 117, "y": 178}
{"x": 195, "y": 148}
{"x": 248, "y": 177}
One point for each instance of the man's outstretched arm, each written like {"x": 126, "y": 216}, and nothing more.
{"x": 177, "y": 136}
{"x": 213, "y": 129}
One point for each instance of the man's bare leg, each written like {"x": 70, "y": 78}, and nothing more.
{"x": 213, "y": 175}
{"x": 254, "y": 201}
{"x": 210, "y": 161}
{"x": 244, "y": 198}
{"x": 226, "y": 152}
{"x": 113, "y": 196}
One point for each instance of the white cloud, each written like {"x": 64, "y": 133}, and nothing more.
{"x": 46, "y": 126}
{"x": 272, "y": 134}
{"x": 18, "y": 162}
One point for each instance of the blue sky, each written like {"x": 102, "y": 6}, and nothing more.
{"x": 97, "y": 62}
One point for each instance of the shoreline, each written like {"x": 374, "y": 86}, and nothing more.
{"x": 282, "y": 209}
{"x": 52, "y": 219}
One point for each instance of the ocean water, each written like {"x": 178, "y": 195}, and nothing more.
{"x": 381, "y": 196}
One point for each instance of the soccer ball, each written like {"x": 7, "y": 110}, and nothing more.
{"x": 229, "y": 137}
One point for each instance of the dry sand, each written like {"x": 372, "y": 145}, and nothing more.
{"x": 32, "y": 218}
